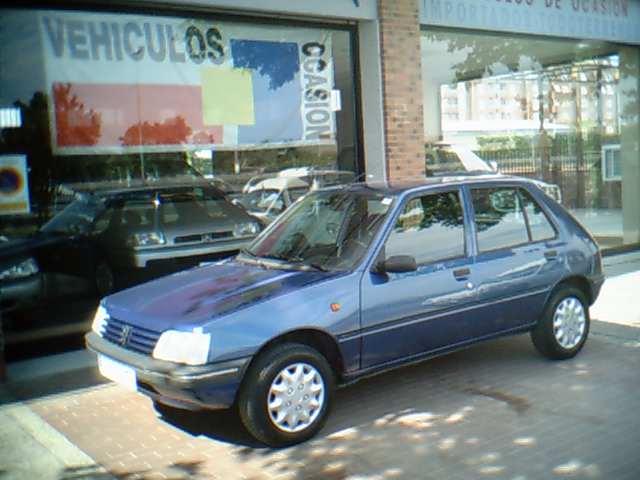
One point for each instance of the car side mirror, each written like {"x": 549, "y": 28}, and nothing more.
{"x": 397, "y": 264}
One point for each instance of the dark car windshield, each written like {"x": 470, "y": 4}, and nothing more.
{"x": 77, "y": 217}
{"x": 326, "y": 230}
{"x": 261, "y": 200}
{"x": 143, "y": 210}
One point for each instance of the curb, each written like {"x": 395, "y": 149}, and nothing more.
{"x": 69, "y": 459}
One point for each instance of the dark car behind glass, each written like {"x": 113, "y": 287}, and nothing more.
{"x": 108, "y": 239}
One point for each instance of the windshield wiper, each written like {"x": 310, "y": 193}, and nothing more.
{"x": 293, "y": 261}
{"x": 299, "y": 261}
{"x": 316, "y": 266}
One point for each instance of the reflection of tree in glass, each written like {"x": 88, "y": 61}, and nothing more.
{"x": 75, "y": 125}
{"x": 277, "y": 60}
{"x": 443, "y": 210}
{"x": 170, "y": 132}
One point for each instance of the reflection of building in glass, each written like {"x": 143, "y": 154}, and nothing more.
{"x": 582, "y": 93}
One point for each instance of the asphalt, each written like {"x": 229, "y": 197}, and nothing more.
{"x": 31, "y": 448}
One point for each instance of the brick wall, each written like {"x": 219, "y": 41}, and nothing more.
{"x": 402, "y": 88}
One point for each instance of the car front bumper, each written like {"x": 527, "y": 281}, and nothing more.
{"x": 211, "y": 386}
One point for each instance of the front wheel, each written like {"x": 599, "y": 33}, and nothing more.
{"x": 564, "y": 326}
{"x": 286, "y": 395}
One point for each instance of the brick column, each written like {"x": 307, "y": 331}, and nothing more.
{"x": 402, "y": 88}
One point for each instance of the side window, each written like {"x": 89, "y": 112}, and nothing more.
{"x": 500, "y": 220}
{"x": 430, "y": 228}
{"x": 539, "y": 225}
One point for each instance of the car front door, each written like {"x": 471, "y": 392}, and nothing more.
{"x": 407, "y": 314}
{"x": 519, "y": 257}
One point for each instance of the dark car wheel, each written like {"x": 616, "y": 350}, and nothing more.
{"x": 105, "y": 279}
{"x": 564, "y": 326}
{"x": 286, "y": 395}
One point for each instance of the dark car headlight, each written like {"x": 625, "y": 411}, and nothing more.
{"x": 146, "y": 239}
{"x": 23, "y": 269}
{"x": 246, "y": 229}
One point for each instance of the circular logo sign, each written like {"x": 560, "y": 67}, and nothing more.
{"x": 10, "y": 181}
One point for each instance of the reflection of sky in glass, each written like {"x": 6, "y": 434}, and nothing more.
{"x": 21, "y": 63}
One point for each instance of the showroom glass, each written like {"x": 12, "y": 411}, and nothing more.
{"x": 560, "y": 111}
{"x": 110, "y": 103}
{"x": 430, "y": 229}
{"x": 331, "y": 229}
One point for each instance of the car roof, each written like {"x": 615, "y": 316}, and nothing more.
{"x": 279, "y": 183}
{"x": 400, "y": 187}
{"x": 141, "y": 188}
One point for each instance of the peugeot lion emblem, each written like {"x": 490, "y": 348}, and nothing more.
{"x": 125, "y": 335}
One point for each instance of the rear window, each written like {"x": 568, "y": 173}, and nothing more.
{"x": 499, "y": 217}
{"x": 508, "y": 216}
{"x": 539, "y": 224}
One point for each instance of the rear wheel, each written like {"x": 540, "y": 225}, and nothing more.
{"x": 564, "y": 326}
{"x": 286, "y": 395}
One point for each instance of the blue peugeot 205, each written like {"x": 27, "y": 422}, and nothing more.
{"x": 350, "y": 281}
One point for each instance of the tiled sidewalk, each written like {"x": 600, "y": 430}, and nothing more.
{"x": 498, "y": 410}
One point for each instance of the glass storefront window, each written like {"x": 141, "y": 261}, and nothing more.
{"x": 550, "y": 109}
{"x": 112, "y": 125}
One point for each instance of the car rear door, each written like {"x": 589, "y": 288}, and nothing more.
{"x": 408, "y": 314}
{"x": 519, "y": 256}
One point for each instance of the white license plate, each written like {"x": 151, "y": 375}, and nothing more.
{"x": 117, "y": 372}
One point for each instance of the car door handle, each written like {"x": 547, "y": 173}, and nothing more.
{"x": 461, "y": 273}
{"x": 551, "y": 254}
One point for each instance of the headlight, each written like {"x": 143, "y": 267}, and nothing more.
{"x": 100, "y": 320}
{"x": 245, "y": 229}
{"x": 23, "y": 269}
{"x": 191, "y": 348}
{"x": 146, "y": 239}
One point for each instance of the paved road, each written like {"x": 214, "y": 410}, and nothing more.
{"x": 497, "y": 411}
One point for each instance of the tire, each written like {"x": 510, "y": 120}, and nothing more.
{"x": 564, "y": 326}
{"x": 282, "y": 425}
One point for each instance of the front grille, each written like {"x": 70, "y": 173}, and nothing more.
{"x": 202, "y": 237}
{"x": 138, "y": 339}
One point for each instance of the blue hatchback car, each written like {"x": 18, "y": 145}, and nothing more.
{"x": 350, "y": 281}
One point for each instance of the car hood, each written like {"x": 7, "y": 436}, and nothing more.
{"x": 27, "y": 246}
{"x": 194, "y": 297}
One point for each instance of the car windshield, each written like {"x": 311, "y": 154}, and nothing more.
{"x": 76, "y": 218}
{"x": 261, "y": 200}
{"x": 142, "y": 210}
{"x": 326, "y": 230}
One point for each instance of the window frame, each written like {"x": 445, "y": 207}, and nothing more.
{"x": 605, "y": 176}
{"x": 457, "y": 189}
